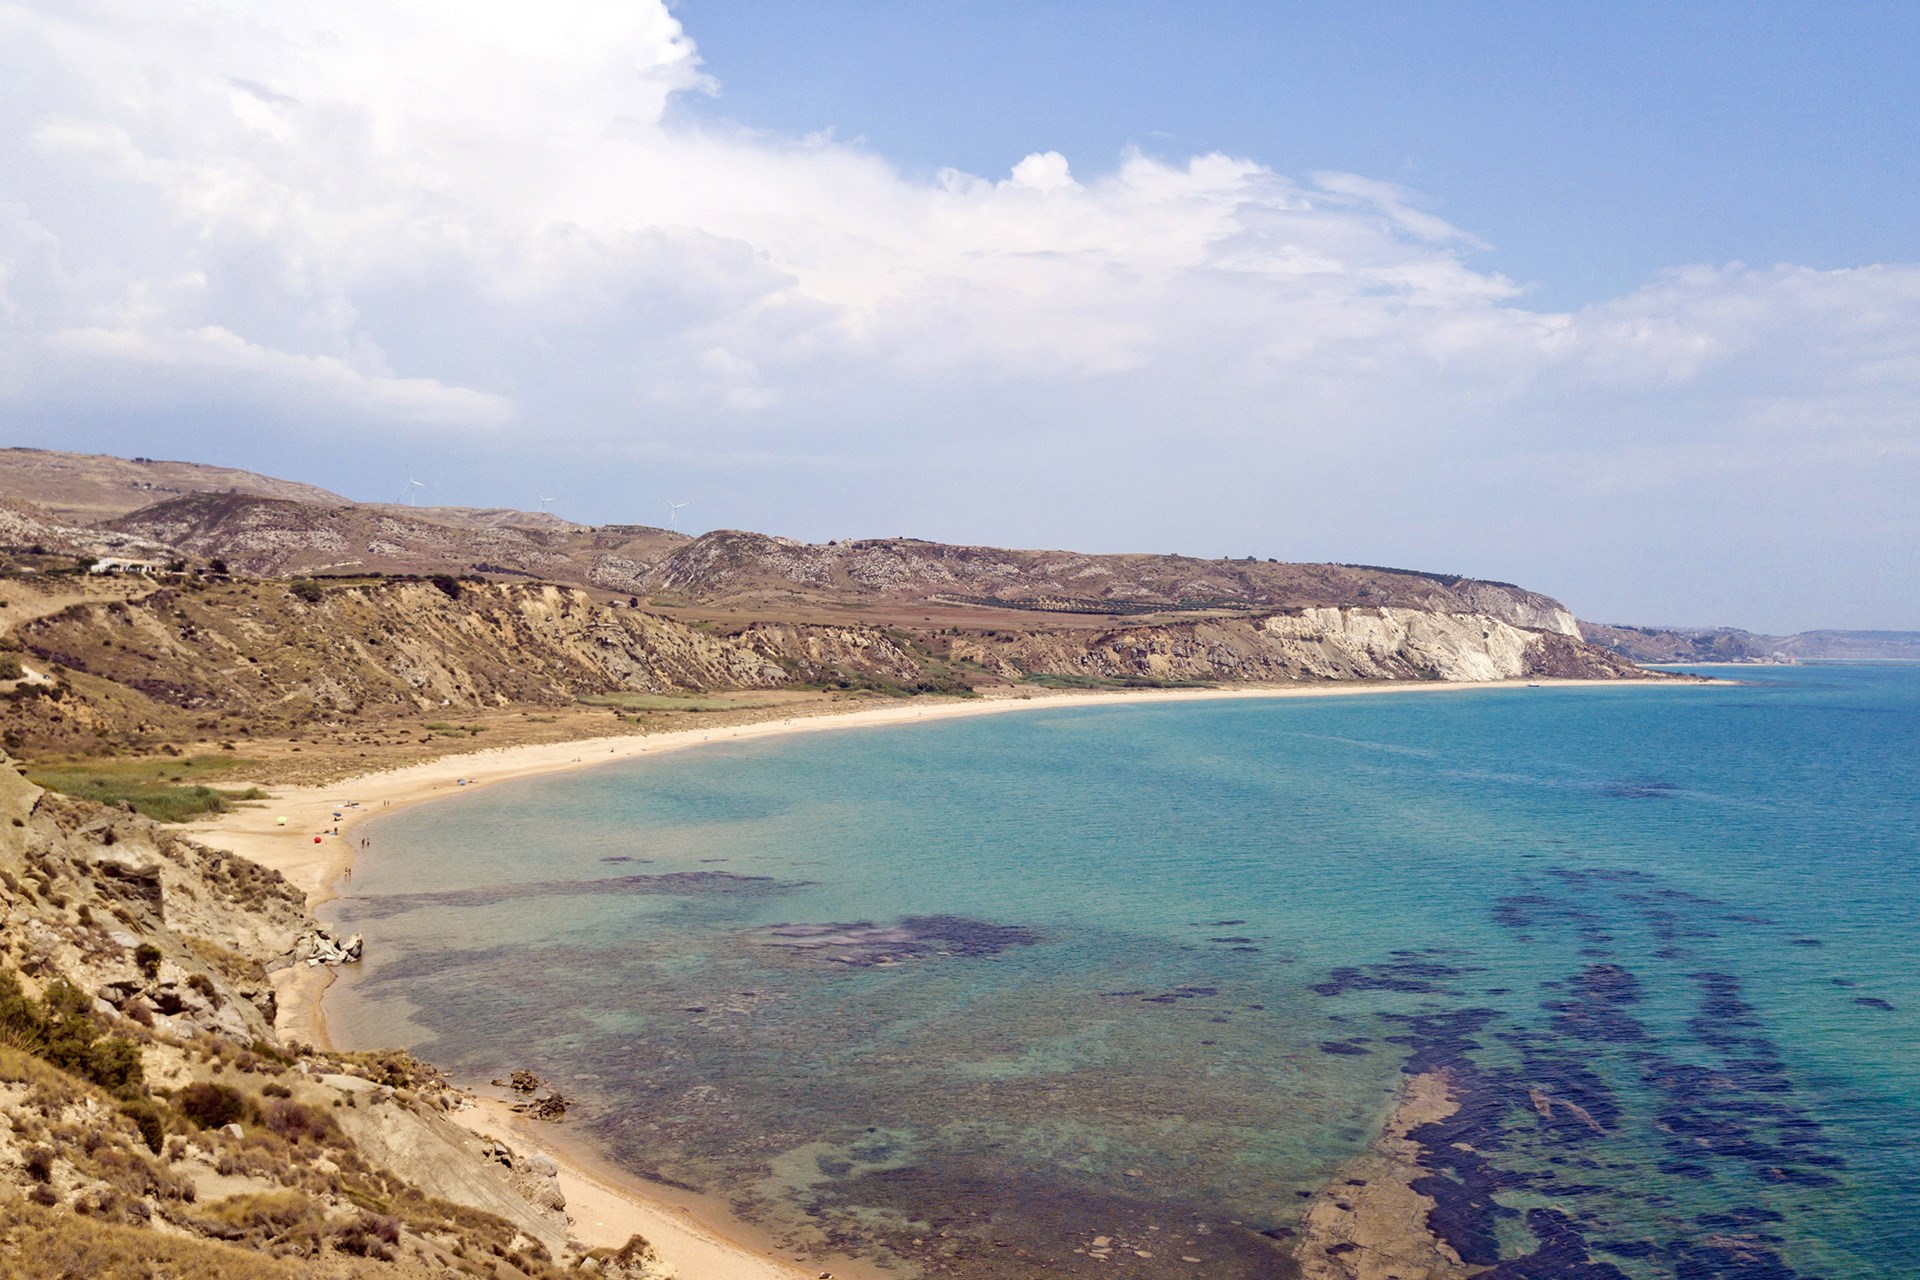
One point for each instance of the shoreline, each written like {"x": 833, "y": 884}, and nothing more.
{"x": 290, "y": 833}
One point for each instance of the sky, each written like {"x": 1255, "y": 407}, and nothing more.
{"x": 1617, "y": 301}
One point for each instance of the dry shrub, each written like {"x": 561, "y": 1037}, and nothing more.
{"x": 297, "y": 1123}
{"x": 371, "y": 1235}
{"x": 201, "y": 983}
{"x": 280, "y": 1221}
{"x": 210, "y": 1105}
{"x": 39, "y": 1164}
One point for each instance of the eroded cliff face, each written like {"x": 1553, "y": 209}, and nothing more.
{"x": 217, "y": 659}
{"x": 258, "y": 654}
{"x": 323, "y": 1166}
{"x": 83, "y": 887}
{"x": 1443, "y": 646}
{"x": 1311, "y": 644}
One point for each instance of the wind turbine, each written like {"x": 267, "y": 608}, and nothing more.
{"x": 544, "y": 499}
{"x": 673, "y": 511}
{"x": 412, "y": 487}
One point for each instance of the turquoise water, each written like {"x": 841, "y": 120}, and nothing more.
{"x": 1154, "y": 972}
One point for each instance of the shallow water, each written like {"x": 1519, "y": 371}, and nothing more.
{"x": 1154, "y": 972}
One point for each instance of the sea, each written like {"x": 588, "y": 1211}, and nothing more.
{"x": 1118, "y": 989}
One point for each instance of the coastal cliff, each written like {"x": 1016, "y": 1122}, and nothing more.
{"x": 230, "y": 605}
{"x": 1312, "y": 644}
{"x": 151, "y": 1122}
{"x": 213, "y": 660}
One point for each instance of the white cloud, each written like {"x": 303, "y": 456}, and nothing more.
{"x": 239, "y": 363}
{"x": 478, "y": 214}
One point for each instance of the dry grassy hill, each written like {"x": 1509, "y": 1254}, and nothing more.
{"x": 737, "y": 574}
{"x": 751, "y": 570}
{"x": 272, "y": 537}
{"x": 89, "y": 488}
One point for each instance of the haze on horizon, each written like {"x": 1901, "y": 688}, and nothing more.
{"x": 1621, "y": 303}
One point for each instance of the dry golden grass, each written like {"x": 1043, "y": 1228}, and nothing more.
{"x": 48, "y": 1086}
{"x": 54, "y": 1244}
{"x": 48, "y": 1243}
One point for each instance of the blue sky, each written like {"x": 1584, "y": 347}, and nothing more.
{"x": 1621, "y": 302}
{"x": 1590, "y": 144}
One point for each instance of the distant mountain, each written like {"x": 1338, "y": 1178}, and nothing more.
{"x": 1730, "y": 644}
{"x": 1853, "y": 646}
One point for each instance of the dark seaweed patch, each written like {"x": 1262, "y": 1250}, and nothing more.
{"x": 1733, "y": 1113}
{"x": 1595, "y": 1009}
{"x": 1412, "y": 975}
{"x": 863, "y": 944}
{"x": 1562, "y": 1253}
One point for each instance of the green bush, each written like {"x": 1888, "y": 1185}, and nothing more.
{"x": 60, "y": 1030}
{"x": 307, "y": 589}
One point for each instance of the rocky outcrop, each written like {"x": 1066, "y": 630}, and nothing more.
{"x": 24, "y": 527}
{"x": 818, "y": 653}
{"x": 261, "y": 657}
{"x": 152, "y": 925}
{"x": 444, "y": 1160}
{"x": 318, "y": 946}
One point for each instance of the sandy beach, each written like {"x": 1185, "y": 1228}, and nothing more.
{"x": 294, "y": 833}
